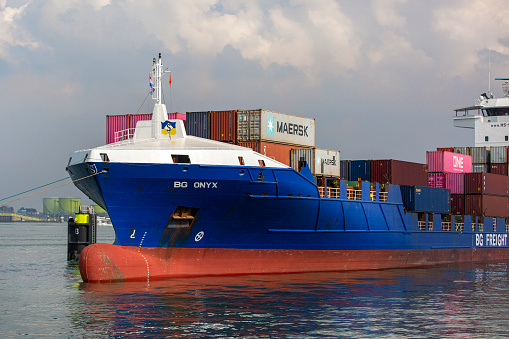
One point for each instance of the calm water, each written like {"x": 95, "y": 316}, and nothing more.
{"x": 41, "y": 295}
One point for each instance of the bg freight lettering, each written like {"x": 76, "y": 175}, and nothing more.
{"x": 490, "y": 240}
{"x": 293, "y": 129}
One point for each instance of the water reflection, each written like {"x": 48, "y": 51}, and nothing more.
{"x": 412, "y": 303}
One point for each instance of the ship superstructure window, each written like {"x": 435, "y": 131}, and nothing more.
{"x": 506, "y": 138}
{"x": 486, "y": 138}
{"x": 104, "y": 157}
{"x": 261, "y": 163}
{"x": 241, "y": 161}
{"x": 180, "y": 159}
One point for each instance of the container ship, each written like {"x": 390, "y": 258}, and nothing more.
{"x": 252, "y": 195}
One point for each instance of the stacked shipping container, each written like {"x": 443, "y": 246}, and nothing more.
{"x": 446, "y": 170}
{"x": 486, "y": 194}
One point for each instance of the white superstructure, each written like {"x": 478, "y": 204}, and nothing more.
{"x": 489, "y": 118}
{"x": 163, "y": 141}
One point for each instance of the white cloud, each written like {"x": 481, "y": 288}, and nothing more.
{"x": 472, "y": 26}
{"x": 11, "y": 34}
{"x": 386, "y": 14}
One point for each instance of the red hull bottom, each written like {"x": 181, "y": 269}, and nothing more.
{"x": 108, "y": 263}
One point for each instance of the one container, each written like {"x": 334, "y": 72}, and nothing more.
{"x": 176, "y": 115}
{"x": 462, "y": 150}
{"x": 426, "y": 199}
{"x": 198, "y": 124}
{"x": 480, "y": 155}
{"x": 278, "y": 152}
{"x": 436, "y": 180}
{"x": 262, "y": 125}
{"x": 223, "y": 126}
{"x": 455, "y": 182}
{"x": 478, "y": 168}
{"x": 448, "y": 162}
{"x": 115, "y": 123}
{"x": 486, "y": 205}
{"x": 458, "y": 204}
{"x": 500, "y": 169}
{"x": 343, "y": 169}
{"x": 399, "y": 172}
{"x": 359, "y": 170}
{"x": 486, "y": 184}
{"x": 498, "y": 154}
{"x": 320, "y": 161}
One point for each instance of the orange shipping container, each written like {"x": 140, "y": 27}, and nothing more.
{"x": 278, "y": 152}
{"x": 223, "y": 125}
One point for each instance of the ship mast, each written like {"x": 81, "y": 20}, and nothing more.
{"x": 159, "y": 114}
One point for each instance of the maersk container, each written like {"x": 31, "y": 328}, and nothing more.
{"x": 436, "y": 180}
{"x": 262, "y": 125}
{"x": 448, "y": 162}
{"x": 486, "y": 205}
{"x": 359, "y": 170}
{"x": 498, "y": 154}
{"x": 320, "y": 161}
{"x": 343, "y": 169}
{"x": 399, "y": 172}
{"x": 278, "y": 152}
{"x": 480, "y": 155}
{"x": 198, "y": 124}
{"x": 500, "y": 169}
{"x": 223, "y": 126}
{"x": 462, "y": 150}
{"x": 426, "y": 199}
{"x": 486, "y": 184}
{"x": 458, "y": 204}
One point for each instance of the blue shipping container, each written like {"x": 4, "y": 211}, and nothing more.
{"x": 359, "y": 170}
{"x": 198, "y": 124}
{"x": 426, "y": 199}
{"x": 343, "y": 169}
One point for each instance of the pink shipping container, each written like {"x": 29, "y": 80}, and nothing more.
{"x": 448, "y": 162}
{"x": 223, "y": 126}
{"x": 486, "y": 184}
{"x": 455, "y": 182}
{"x": 121, "y": 127}
{"x": 487, "y": 205}
{"x": 398, "y": 172}
{"x": 115, "y": 123}
{"x": 436, "y": 180}
{"x": 500, "y": 169}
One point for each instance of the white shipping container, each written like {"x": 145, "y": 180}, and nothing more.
{"x": 262, "y": 125}
{"x": 320, "y": 161}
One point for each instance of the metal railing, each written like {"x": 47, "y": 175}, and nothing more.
{"x": 351, "y": 194}
{"x": 446, "y": 225}
{"x": 459, "y": 226}
{"x": 124, "y": 134}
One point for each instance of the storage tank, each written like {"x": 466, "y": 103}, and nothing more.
{"x": 50, "y": 205}
{"x": 70, "y": 204}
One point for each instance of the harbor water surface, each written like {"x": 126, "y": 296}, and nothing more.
{"x": 42, "y": 295}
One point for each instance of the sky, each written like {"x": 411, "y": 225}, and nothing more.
{"x": 381, "y": 78}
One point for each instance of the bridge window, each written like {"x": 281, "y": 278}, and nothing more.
{"x": 180, "y": 159}
{"x": 261, "y": 163}
{"x": 241, "y": 161}
{"x": 486, "y": 138}
{"x": 506, "y": 138}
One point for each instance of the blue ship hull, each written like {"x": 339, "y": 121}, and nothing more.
{"x": 234, "y": 209}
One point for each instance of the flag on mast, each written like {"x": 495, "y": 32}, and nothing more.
{"x": 170, "y": 79}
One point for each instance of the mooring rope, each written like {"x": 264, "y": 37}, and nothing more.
{"x": 48, "y": 189}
